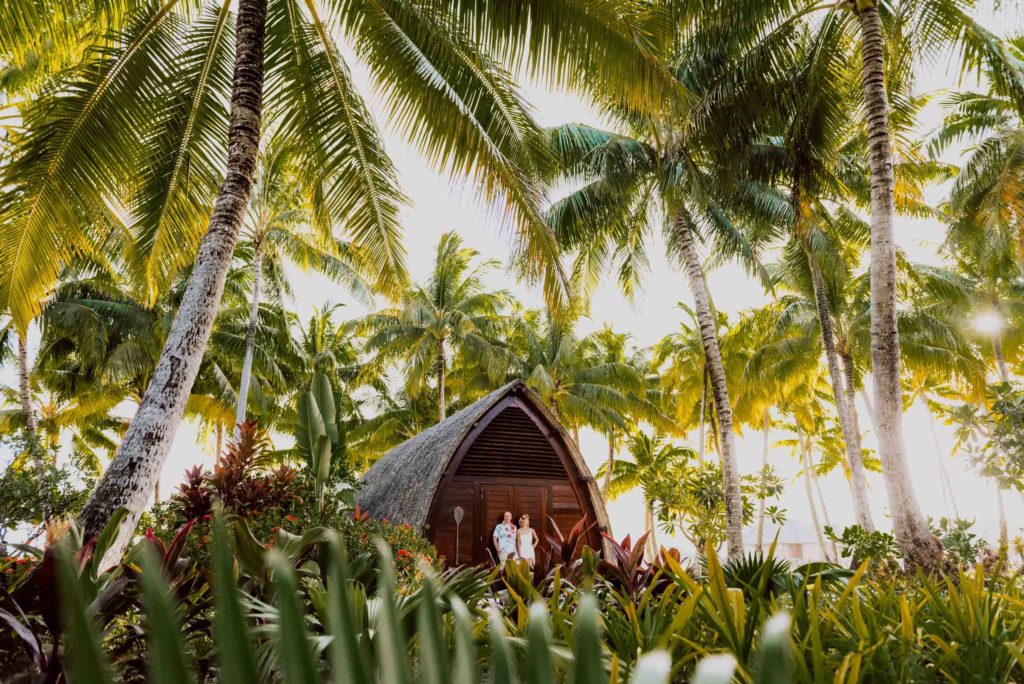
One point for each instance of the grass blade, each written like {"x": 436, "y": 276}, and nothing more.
{"x": 293, "y": 649}
{"x": 428, "y": 626}
{"x": 715, "y": 669}
{"x": 652, "y": 668}
{"x": 166, "y": 659}
{"x": 465, "y": 671}
{"x": 391, "y": 653}
{"x": 502, "y": 669}
{"x": 588, "y": 665}
{"x": 235, "y": 653}
{"x": 348, "y": 660}
{"x": 86, "y": 661}
{"x": 774, "y": 659}
{"x": 538, "y": 646}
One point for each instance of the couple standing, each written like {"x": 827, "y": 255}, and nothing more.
{"x": 514, "y": 543}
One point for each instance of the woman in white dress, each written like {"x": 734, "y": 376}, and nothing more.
{"x": 528, "y": 540}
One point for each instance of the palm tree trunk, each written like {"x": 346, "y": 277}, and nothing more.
{"x": 1004, "y": 536}
{"x": 997, "y": 351}
{"x": 250, "y": 342}
{"x": 826, "y": 518}
{"x": 220, "y": 441}
{"x": 946, "y": 483}
{"x": 701, "y": 437}
{"x": 851, "y": 434}
{"x": 442, "y": 408}
{"x": 652, "y": 544}
{"x": 128, "y": 481}
{"x": 759, "y": 547}
{"x": 919, "y": 546}
{"x": 28, "y": 414}
{"x": 809, "y": 491}
{"x": 611, "y": 464}
{"x": 719, "y": 391}
{"x": 870, "y": 406}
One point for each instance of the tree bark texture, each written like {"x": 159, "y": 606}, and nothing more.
{"x": 250, "y": 342}
{"x": 129, "y": 480}
{"x": 442, "y": 408}
{"x": 919, "y": 546}
{"x": 851, "y": 433}
{"x": 719, "y": 390}
{"x": 247, "y": 362}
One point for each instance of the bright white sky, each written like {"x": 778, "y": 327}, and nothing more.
{"x": 439, "y": 204}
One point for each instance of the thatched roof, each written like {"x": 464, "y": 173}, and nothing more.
{"x": 401, "y": 485}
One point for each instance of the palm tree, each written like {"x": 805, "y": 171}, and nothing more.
{"x": 277, "y": 230}
{"x": 987, "y": 192}
{"x": 575, "y": 377}
{"x": 658, "y": 164}
{"x": 764, "y": 32}
{"x": 609, "y": 347}
{"x": 653, "y": 461}
{"x": 168, "y": 70}
{"x": 453, "y": 315}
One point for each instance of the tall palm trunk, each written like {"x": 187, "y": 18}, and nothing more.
{"x": 997, "y": 351}
{"x": 442, "y": 407}
{"x": 1004, "y": 376}
{"x": 851, "y": 433}
{"x": 701, "y": 436}
{"x": 805, "y": 460}
{"x": 652, "y": 543}
{"x": 919, "y": 546}
{"x": 28, "y": 414}
{"x": 945, "y": 482}
{"x": 250, "y": 341}
{"x": 719, "y": 391}
{"x": 128, "y": 481}
{"x": 760, "y": 503}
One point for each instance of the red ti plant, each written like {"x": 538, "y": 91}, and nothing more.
{"x": 624, "y": 568}
{"x": 33, "y": 610}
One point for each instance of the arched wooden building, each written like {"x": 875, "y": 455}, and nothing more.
{"x": 506, "y": 452}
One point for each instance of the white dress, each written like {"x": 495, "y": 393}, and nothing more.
{"x": 526, "y": 550}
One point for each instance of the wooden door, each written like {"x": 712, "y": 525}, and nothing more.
{"x": 532, "y": 499}
{"x": 495, "y": 499}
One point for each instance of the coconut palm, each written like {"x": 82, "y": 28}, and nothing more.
{"x": 653, "y": 462}
{"x": 886, "y": 37}
{"x": 820, "y": 158}
{"x": 452, "y": 315}
{"x": 278, "y": 229}
{"x": 987, "y": 194}
{"x": 611, "y": 216}
{"x": 109, "y": 133}
{"x": 575, "y": 376}
{"x": 609, "y": 347}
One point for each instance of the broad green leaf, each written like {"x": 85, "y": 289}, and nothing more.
{"x": 106, "y": 538}
{"x": 538, "y": 646}
{"x": 465, "y": 670}
{"x": 502, "y": 668}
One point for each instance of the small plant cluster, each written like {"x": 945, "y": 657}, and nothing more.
{"x": 411, "y": 552}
